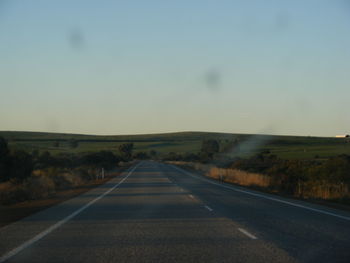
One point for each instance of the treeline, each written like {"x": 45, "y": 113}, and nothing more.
{"x": 208, "y": 149}
{"x": 19, "y": 165}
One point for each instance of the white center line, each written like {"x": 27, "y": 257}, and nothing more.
{"x": 39, "y": 236}
{"x": 247, "y": 233}
{"x": 207, "y": 207}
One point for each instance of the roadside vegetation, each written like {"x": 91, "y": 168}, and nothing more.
{"x": 31, "y": 176}
{"x": 316, "y": 178}
{"x": 304, "y": 167}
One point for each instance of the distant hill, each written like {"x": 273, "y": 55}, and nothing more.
{"x": 175, "y": 136}
{"x": 181, "y": 142}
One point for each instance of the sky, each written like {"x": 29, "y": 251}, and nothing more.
{"x": 133, "y": 67}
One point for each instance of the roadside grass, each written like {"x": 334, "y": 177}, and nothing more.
{"x": 239, "y": 177}
{"x": 312, "y": 190}
{"x": 48, "y": 193}
{"x": 44, "y": 183}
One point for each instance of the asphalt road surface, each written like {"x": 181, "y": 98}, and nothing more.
{"x": 156, "y": 212}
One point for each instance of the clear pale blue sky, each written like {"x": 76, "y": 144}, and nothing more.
{"x": 122, "y": 67}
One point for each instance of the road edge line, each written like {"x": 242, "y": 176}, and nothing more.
{"x": 247, "y": 233}
{"x": 208, "y": 208}
{"x": 42, "y": 234}
{"x": 263, "y": 196}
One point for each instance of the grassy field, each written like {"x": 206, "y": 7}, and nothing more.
{"x": 289, "y": 147}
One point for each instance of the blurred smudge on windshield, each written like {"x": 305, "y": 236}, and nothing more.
{"x": 76, "y": 39}
{"x": 213, "y": 80}
{"x": 282, "y": 21}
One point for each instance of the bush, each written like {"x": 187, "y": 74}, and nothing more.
{"x": 172, "y": 156}
{"x": 141, "y": 156}
{"x": 209, "y": 148}
{"x": 21, "y": 165}
{"x": 5, "y": 160}
{"x": 44, "y": 183}
{"x": 302, "y": 177}
{"x": 126, "y": 150}
{"x": 100, "y": 159}
{"x": 33, "y": 176}
{"x": 12, "y": 193}
{"x": 39, "y": 187}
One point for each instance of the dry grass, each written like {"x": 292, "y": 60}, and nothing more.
{"x": 43, "y": 184}
{"x": 311, "y": 189}
{"x": 229, "y": 175}
{"x": 324, "y": 191}
{"x": 18, "y": 210}
{"x": 239, "y": 177}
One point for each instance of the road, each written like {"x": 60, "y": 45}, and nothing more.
{"x": 157, "y": 212}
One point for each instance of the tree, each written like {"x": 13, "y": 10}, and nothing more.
{"x": 22, "y": 165}
{"x": 4, "y": 150}
{"x": 126, "y": 150}
{"x": 191, "y": 157}
{"x": 35, "y": 153}
{"x": 172, "y": 156}
{"x": 4, "y": 160}
{"x": 210, "y": 147}
{"x": 45, "y": 160}
{"x": 105, "y": 159}
{"x": 153, "y": 153}
{"x": 56, "y": 144}
{"x": 230, "y": 146}
{"x": 141, "y": 155}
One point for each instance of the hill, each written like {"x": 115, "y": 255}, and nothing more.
{"x": 181, "y": 142}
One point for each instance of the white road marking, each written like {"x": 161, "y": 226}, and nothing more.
{"x": 191, "y": 196}
{"x": 264, "y": 196}
{"x": 39, "y": 236}
{"x": 207, "y": 207}
{"x": 247, "y": 233}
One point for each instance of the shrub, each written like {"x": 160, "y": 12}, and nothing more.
{"x": 39, "y": 187}
{"x": 104, "y": 159}
{"x": 12, "y": 193}
{"x": 126, "y": 150}
{"x": 5, "y": 160}
{"x": 210, "y": 147}
{"x": 21, "y": 165}
{"x": 141, "y": 155}
{"x": 304, "y": 178}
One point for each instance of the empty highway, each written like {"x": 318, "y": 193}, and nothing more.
{"x": 157, "y": 212}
